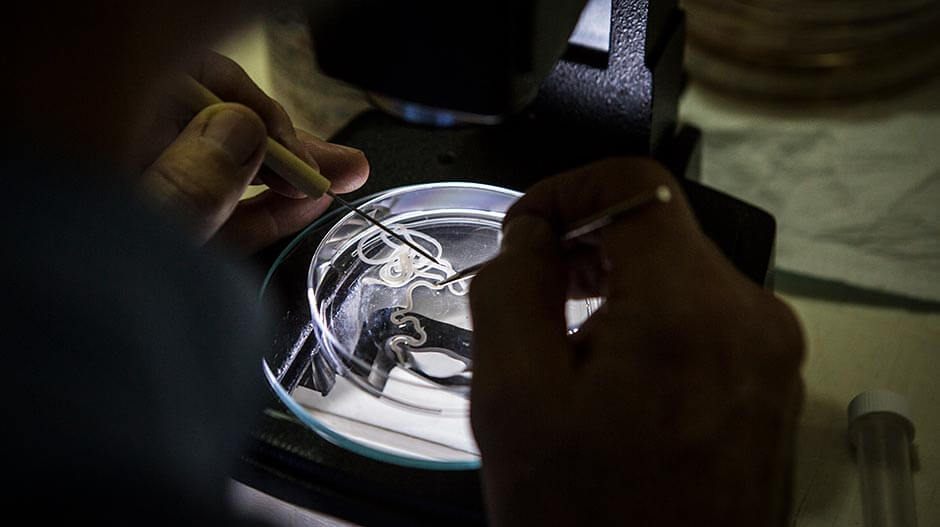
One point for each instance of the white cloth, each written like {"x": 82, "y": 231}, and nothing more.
{"x": 855, "y": 189}
{"x": 378, "y": 424}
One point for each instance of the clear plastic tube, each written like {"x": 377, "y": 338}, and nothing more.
{"x": 882, "y": 438}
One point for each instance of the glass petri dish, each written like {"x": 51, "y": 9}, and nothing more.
{"x": 389, "y": 374}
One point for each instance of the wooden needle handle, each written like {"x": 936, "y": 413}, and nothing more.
{"x": 277, "y": 157}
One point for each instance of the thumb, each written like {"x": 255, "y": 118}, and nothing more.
{"x": 202, "y": 175}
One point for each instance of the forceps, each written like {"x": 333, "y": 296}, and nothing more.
{"x": 660, "y": 194}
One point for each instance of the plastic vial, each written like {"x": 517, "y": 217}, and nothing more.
{"x": 881, "y": 429}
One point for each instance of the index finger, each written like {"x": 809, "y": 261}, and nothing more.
{"x": 231, "y": 83}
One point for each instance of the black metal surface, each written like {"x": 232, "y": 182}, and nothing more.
{"x": 632, "y": 98}
{"x": 485, "y": 56}
{"x": 292, "y": 463}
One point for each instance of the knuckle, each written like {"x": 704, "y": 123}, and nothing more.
{"x": 219, "y": 66}
{"x": 644, "y": 168}
{"x": 280, "y": 121}
{"x": 539, "y": 199}
{"x": 770, "y": 330}
{"x": 279, "y": 110}
{"x": 789, "y": 333}
{"x": 636, "y": 173}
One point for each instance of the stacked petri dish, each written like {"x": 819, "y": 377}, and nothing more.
{"x": 811, "y": 49}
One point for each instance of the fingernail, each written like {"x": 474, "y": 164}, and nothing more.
{"x": 237, "y": 133}
{"x": 528, "y": 232}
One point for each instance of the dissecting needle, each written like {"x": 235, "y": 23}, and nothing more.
{"x": 660, "y": 194}
{"x": 284, "y": 163}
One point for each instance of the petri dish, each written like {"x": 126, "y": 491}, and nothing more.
{"x": 389, "y": 373}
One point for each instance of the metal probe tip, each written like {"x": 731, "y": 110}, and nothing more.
{"x": 379, "y": 224}
{"x": 469, "y": 272}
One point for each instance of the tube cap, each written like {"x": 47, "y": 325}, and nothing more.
{"x": 881, "y": 401}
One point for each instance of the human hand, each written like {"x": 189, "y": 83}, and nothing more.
{"x": 674, "y": 404}
{"x": 198, "y": 167}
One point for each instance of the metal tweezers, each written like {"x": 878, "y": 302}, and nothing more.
{"x": 660, "y": 194}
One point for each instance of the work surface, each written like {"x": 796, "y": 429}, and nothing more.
{"x": 858, "y": 340}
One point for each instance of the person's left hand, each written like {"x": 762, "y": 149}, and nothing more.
{"x": 197, "y": 168}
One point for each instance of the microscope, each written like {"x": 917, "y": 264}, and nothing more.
{"x": 502, "y": 92}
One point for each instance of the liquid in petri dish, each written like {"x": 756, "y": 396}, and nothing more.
{"x": 392, "y": 322}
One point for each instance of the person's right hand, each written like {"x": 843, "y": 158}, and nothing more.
{"x": 675, "y": 404}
